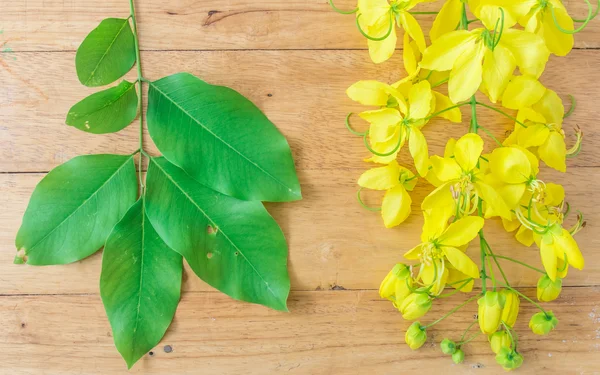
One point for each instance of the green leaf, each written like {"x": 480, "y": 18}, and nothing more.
{"x": 73, "y": 209}
{"x": 140, "y": 284}
{"x": 106, "y": 54}
{"x": 221, "y": 139}
{"x": 107, "y": 111}
{"x": 233, "y": 245}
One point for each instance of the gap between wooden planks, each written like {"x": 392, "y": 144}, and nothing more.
{"x": 58, "y": 25}
{"x": 337, "y": 332}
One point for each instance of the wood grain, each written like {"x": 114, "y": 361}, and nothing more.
{"x": 58, "y": 25}
{"x": 335, "y": 332}
{"x": 307, "y": 102}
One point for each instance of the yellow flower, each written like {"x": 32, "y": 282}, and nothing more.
{"x": 377, "y": 18}
{"x": 490, "y": 310}
{"x": 396, "y": 277}
{"x": 543, "y": 118}
{"x": 556, "y": 243}
{"x": 390, "y": 129}
{"x": 441, "y": 243}
{"x": 499, "y": 340}
{"x": 478, "y": 58}
{"x": 414, "y": 306}
{"x": 542, "y": 323}
{"x": 415, "y": 336}
{"x": 462, "y": 183}
{"x": 510, "y": 311}
{"x": 397, "y": 181}
{"x": 548, "y": 290}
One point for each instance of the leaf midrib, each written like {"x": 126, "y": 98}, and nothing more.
{"x": 137, "y": 313}
{"x": 212, "y": 221}
{"x": 106, "y": 52}
{"x": 78, "y": 207}
{"x": 153, "y": 84}
{"x": 111, "y": 102}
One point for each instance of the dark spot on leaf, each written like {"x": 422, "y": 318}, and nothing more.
{"x": 269, "y": 95}
{"x": 209, "y": 255}
{"x": 168, "y": 348}
{"x": 211, "y": 12}
{"x": 151, "y": 354}
{"x": 236, "y": 253}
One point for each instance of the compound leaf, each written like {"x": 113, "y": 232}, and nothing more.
{"x": 140, "y": 284}
{"x": 73, "y": 209}
{"x": 221, "y": 139}
{"x": 107, "y": 111}
{"x": 233, "y": 245}
{"x": 106, "y": 54}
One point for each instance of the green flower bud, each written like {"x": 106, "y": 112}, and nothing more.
{"x": 542, "y": 324}
{"x": 397, "y": 276}
{"x": 499, "y": 340}
{"x": 415, "y": 336}
{"x": 490, "y": 310}
{"x": 458, "y": 356}
{"x": 509, "y": 359}
{"x": 548, "y": 290}
{"x": 415, "y": 306}
{"x": 448, "y": 346}
{"x": 511, "y": 307}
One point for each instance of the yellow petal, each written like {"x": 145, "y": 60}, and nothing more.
{"x": 437, "y": 208}
{"x": 382, "y": 178}
{"x": 445, "y": 169}
{"x": 443, "y": 102}
{"x": 387, "y": 148}
{"x": 409, "y": 56}
{"x": 498, "y": 67}
{"x": 554, "y": 152}
{"x": 414, "y": 253}
{"x": 510, "y": 165}
{"x": 492, "y": 199}
{"x": 467, "y": 151}
{"x": 489, "y": 14}
{"x": 548, "y": 257}
{"x": 396, "y": 206}
{"x": 533, "y": 135}
{"x": 511, "y": 194}
{"x": 412, "y": 27}
{"x": 521, "y": 92}
{"x": 461, "y": 232}
{"x": 383, "y": 123}
{"x": 381, "y": 51}
{"x": 511, "y": 225}
{"x": 418, "y": 150}
{"x": 461, "y": 261}
{"x": 455, "y": 277}
{"x": 555, "y": 194}
{"x": 565, "y": 243}
{"x": 447, "y": 19}
{"x": 466, "y": 74}
{"x": 369, "y": 93}
{"x": 442, "y": 54}
{"x": 558, "y": 43}
{"x": 524, "y": 236}
{"x": 550, "y": 105}
{"x": 419, "y": 99}
{"x": 371, "y": 11}
{"x": 449, "y": 149}
{"x": 529, "y": 50}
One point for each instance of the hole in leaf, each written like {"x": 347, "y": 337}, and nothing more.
{"x": 209, "y": 255}
{"x": 236, "y": 253}
{"x": 211, "y": 229}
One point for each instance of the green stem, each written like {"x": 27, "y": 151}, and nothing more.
{"x": 342, "y": 11}
{"x": 453, "y": 311}
{"x": 513, "y": 338}
{"x": 491, "y": 135}
{"x": 482, "y": 251}
{"x": 589, "y": 17}
{"x": 440, "y": 82}
{"x": 469, "y": 339}
{"x": 467, "y": 330}
{"x": 474, "y": 127}
{"x": 423, "y": 12}
{"x": 489, "y": 248}
{"x": 444, "y": 110}
{"x": 573, "y": 105}
{"x": 140, "y": 78}
{"x": 519, "y": 262}
{"x": 593, "y": 16}
{"x": 527, "y": 299}
{"x": 502, "y": 113}
{"x": 349, "y": 127}
{"x": 374, "y": 209}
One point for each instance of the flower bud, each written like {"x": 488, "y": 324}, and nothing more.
{"x": 499, "y": 340}
{"x": 397, "y": 276}
{"x": 509, "y": 359}
{"x": 548, "y": 290}
{"x": 458, "y": 356}
{"x": 511, "y": 307}
{"x": 448, "y": 346}
{"x": 490, "y": 311}
{"x": 415, "y": 336}
{"x": 415, "y": 306}
{"x": 542, "y": 323}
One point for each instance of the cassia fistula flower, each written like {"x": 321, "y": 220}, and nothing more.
{"x": 414, "y": 306}
{"x": 489, "y": 314}
{"x": 543, "y": 322}
{"x": 510, "y": 312}
{"x": 499, "y": 340}
{"x": 415, "y": 336}
{"x": 397, "y": 181}
{"x": 556, "y": 243}
{"x": 396, "y": 277}
{"x": 548, "y": 290}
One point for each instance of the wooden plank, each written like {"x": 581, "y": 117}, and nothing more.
{"x": 332, "y": 240}
{"x": 301, "y": 91}
{"x": 57, "y": 25}
{"x": 336, "y": 332}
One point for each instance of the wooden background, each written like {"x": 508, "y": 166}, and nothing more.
{"x": 294, "y": 59}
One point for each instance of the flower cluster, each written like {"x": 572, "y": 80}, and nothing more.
{"x": 499, "y": 48}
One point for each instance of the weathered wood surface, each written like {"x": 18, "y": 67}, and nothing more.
{"x": 294, "y": 59}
